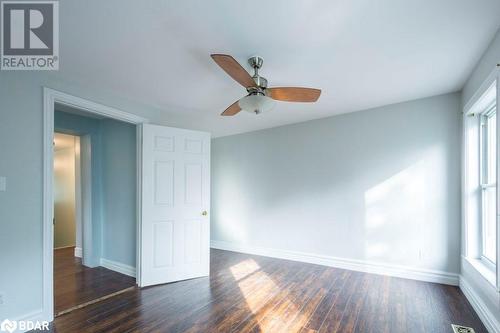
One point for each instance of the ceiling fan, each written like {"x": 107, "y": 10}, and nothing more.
{"x": 260, "y": 98}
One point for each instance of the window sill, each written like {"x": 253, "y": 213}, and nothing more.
{"x": 487, "y": 273}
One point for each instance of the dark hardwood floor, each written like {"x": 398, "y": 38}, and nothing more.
{"x": 257, "y": 294}
{"x": 75, "y": 284}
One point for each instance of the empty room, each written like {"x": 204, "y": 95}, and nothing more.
{"x": 265, "y": 166}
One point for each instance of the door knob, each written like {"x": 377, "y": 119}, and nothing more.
{"x": 204, "y": 213}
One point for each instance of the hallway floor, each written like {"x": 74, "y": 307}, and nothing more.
{"x": 75, "y": 284}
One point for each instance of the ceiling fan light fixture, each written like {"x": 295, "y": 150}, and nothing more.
{"x": 260, "y": 97}
{"x": 256, "y": 103}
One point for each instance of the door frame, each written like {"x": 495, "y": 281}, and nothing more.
{"x": 50, "y": 98}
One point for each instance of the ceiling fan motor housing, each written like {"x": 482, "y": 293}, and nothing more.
{"x": 256, "y": 62}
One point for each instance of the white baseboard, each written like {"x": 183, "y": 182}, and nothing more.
{"x": 350, "y": 264}
{"x": 488, "y": 318}
{"x": 118, "y": 267}
{"x": 78, "y": 252}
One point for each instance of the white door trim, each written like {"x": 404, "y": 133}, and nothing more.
{"x": 50, "y": 97}
{"x": 86, "y": 200}
{"x": 78, "y": 200}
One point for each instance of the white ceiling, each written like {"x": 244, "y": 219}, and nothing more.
{"x": 362, "y": 53}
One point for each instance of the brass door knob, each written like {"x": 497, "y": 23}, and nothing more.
{"x": 204, "y": 213}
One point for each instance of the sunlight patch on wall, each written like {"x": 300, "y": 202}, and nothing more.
{"x": 401, "y": 210}
{"x": 231, "y": 208}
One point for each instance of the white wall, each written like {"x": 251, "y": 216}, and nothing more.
{"x": 377, "y": 186}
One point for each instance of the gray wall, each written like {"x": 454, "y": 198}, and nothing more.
{"x": 381, "y": 185}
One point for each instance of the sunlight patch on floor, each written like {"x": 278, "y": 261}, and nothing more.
{"x": 249, "y": 274}
{"x": 244, "y": 268}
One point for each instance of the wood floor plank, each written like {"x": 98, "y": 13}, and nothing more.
{"x": 365, "y": 319}
{"x": 322, "y": 310}
{"x": 333, "y": 319}
{"x": 311, "y": 299}
{"x": 246, "y": 293}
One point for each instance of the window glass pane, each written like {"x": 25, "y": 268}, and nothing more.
{"x": 489, "y": 223}
{"x": 492, "y": 148}
{"x": 483, "y": 163}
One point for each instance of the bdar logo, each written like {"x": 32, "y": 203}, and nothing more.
{"x": 8, "y": 326}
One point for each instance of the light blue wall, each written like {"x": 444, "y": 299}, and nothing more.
{"x": 119, "y": 183}
{"x": 381, "y": 185}
{"x": 113, "y": 150}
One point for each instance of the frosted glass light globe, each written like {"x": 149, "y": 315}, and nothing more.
{"x": 256, "y": 103}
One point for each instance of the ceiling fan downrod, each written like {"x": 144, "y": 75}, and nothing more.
{"x": 256, "y": 63}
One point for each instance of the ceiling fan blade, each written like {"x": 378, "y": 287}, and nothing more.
{"x": 294, "y": 94}
{"x": 234, "y": 69}
{"x": 232, "y": 110}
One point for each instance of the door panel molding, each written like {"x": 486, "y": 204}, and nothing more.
{"x": 181, "y": 251}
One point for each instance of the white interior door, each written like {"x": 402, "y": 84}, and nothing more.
{"x": 175, "y": 232}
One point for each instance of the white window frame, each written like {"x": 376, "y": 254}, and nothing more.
{"x": 485, "y": 183}
{"x": 472, "y": 180}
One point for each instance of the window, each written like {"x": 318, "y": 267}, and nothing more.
{"x": 488, "y": 168}
{"x": 480, "y": 184}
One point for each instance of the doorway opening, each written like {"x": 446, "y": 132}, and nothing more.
{"x": 95, "y": 207}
